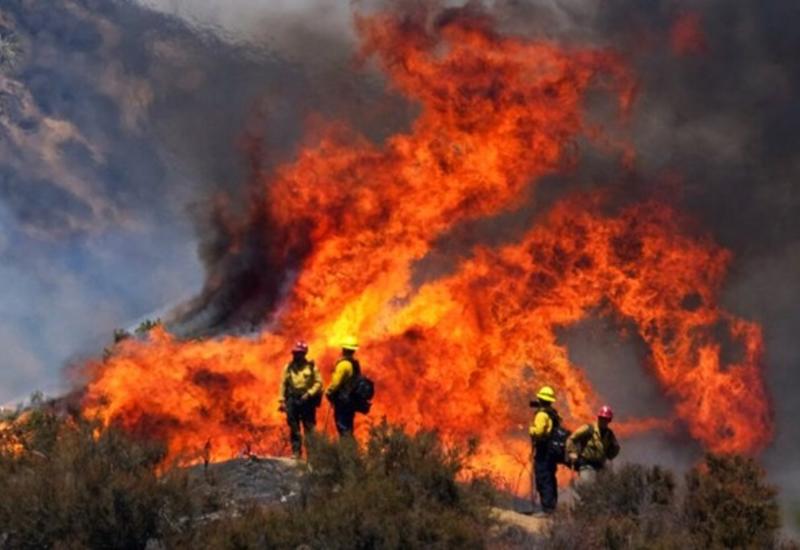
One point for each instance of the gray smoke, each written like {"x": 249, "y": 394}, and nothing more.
{"x": 130, "y": 137}
{"x": 724, "y": 119}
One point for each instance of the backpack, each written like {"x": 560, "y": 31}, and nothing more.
{"x": 557, "y": 442}
{"x": 362, "y": 389}
{"x": 362, "y": 395}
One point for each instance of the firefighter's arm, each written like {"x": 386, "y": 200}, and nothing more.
{"x": 613, "y": 447}
{"x": 316, "y": 387}
{"x": 282, "y": 394}
{"x": 540, "y": 426}
{"x": 577, "y": 440}
{"x": 343, "y": 370}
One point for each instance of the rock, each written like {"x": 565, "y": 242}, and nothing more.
{"x": 516, "y": 530}
{"x": 531, "y": 524}
{"x": 245, "y": 481}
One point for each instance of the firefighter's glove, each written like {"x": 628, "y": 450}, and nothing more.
{"x": 282, "y": 407}
{"x": 573, "y": 458}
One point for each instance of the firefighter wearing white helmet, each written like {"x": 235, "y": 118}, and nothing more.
{"x": 349, "y": 392}
{"x": 545, "y": 462}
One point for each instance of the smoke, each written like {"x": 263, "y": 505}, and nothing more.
{"x": 295, "y": 28}
{"x": 715, "y": 110}
{"x": 129, "y": 136}
{"x": 121, "y": 132}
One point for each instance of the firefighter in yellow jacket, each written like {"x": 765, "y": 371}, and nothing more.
{"x": 545, "y": 463}
{"x": 339, "y": 391}
{"x": 300, "y": 395}
{"x": 591, "y": 445}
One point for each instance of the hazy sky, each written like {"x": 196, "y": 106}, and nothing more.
{"x": 253, "y": 19}
{"x": 112, "y": 129}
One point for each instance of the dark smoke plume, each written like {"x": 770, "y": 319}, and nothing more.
{"x": 122, "y": 132}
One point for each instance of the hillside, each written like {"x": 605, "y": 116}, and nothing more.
{"x": 68, "y": 484}
{"x": 241, "y": 483}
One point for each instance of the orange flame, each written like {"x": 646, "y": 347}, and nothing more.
{"x": 12, "y": 439}
{"x": 461, "y": 354}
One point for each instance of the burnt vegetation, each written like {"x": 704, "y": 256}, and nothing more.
{"x": 68, "y": 484}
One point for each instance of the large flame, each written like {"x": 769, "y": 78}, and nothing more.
{"x": 462, "y": 353}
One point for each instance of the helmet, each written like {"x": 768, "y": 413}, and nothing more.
{"x": 546, "y": 393}
{"x": 605, "y": 412}
{"x": 300, "y": 347}
{"x": 350, "y": 342}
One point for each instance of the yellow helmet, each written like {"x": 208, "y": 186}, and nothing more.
{"x": 546, "y": 393}
{"x": 350, "y": 342}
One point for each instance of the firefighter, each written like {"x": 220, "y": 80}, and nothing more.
{"x": 592, "y": 445}
{"x": 300, "y": 395}
{"x": 339, "y": 391}
{"x": 545, "y": 463}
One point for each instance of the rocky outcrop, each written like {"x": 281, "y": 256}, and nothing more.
{"x": 241, "y": 482}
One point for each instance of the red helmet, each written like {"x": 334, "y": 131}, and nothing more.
{"x": 300, "y": 347}
{"x": 605, "y": 412}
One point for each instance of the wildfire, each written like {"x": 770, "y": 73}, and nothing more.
{"x": 12, "y": 440}
{"x": 463, "y": 353}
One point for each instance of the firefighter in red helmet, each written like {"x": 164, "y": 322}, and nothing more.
{"x": 592, "y": 445}
{"x": 300, "y": 395}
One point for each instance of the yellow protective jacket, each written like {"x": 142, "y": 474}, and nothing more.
{"x": 343, "y": 374}
{"x": 299, "y": 379}
{"x": 541, "y": 426}
{"x": 540, "y": 431}
{"x": 592, "y": 446}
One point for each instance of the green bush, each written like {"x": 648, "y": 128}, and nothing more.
{"x": 633, "y": 507}
{"x": 632, "y": 491}
{"x": 402, "y": 491}
{"x": 726, "y": 504}
{"x": 729, "y": 504}
{"x": 10, "y": 49}
{"x": 72, "y": 487}
{"x": 146, "y": 326}
{"x": 66, "y": 484}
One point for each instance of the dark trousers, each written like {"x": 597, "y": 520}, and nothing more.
{"x": 300, "y": 412}
{"x": 344, "y": 415}
{"x": 544, "y": 472}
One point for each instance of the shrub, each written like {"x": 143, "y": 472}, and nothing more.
{"x": 726, "y": 504}
{"x": 633, "y": 507}
{"x": 66, "y": 484}
{"x": 402, "y": 491}
{"x": 729, "y": 505}
{"x": 146, "y": 326}
{"x": 632, "y": 491}
{"x": 72, "y": 487}
{"x": 10, "y": 49}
